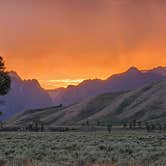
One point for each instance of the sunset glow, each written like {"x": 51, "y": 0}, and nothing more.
{"x": 64, "y": 42}
{"x": 59, "y": 83}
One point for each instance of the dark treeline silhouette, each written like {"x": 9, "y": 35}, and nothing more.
{"x": 36, "y": 125}
{"x": 134, "y": 124}
{"x": 109, "y": 128}
{"x": 150, "y": 127}
{"x": 59, "y": 106}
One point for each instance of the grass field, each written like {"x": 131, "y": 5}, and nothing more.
{"x": 120, "y": 148}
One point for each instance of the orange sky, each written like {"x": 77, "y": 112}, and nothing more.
{"x": 63, "y": 42}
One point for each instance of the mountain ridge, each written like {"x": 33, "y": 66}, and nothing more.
{"x": 131, "y": 79}
{"x": 24, "y": 94}
{"x": 28, "y": 94}
{"x": 142, "y": 104}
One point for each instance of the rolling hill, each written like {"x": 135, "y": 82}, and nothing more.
{"x": 146, "y": 103}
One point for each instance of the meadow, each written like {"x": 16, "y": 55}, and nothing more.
{"x": 119, "y": 148}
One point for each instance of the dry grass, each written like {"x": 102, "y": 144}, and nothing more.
{"x": 120, "y": 148}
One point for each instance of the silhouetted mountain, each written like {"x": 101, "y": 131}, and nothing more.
{"x": 143, "y": 104}
{"x": 28, "y": 94}
{"x": 24, "y": 94}
{"x": 129, "y": 80}
{"x": 159, "y": 70}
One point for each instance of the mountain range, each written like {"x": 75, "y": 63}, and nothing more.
{"x": 24, "y": 94}
{"x": 129, "y": 80}
{"x": 143, "y": 104}
{"x": 28, "y": 94}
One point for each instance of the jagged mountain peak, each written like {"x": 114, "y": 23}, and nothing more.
{"x": 133, "y": 70}
{"x": 14, "y": 74}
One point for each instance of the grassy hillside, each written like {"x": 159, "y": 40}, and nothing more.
{"x": 143, "y": 104}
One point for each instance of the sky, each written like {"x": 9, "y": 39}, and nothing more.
{"x": 62, "y": 42}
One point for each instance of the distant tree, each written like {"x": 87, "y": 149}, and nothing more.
{"x": 159, "y": 126}
{"x": 125, "y": 125}
{"x": 98, "y": 123}
{"x": 109, "y": 128}
{"x": 134, "y": 122}
{"x": 42, "y": 127}
{"x": 59, "y": 106}
{"x": 146, "y": 123}
{"x": 87, "y": 123}
{"x": 1, "y": 125}
{"x": 130, "y": 125}
{"x": 140, "y": 124}
{"x": 148, "y": 128}
{"x": 5, "y": 81}
{"x": 36, "y": 124}
{"x": 165, "y": 126}
{"x": 153, "y": 127}
{"x": 30, "y": 127}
